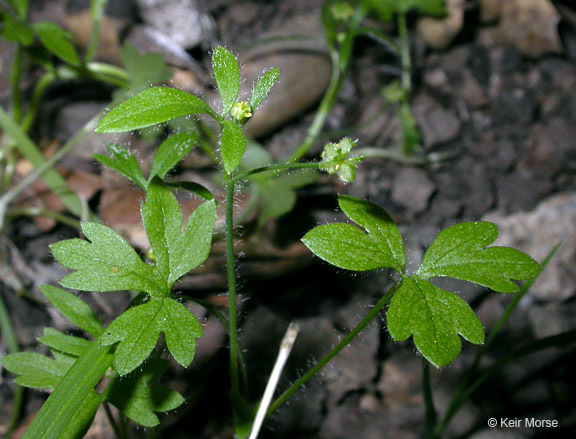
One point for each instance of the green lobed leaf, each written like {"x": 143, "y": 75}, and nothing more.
{"x": 137, "y": 331}
{"x": 73, "y": 308}
{"x": 348, "y": 247}
{"x": 67, "y": 344}
{"x": 123, "y": 162}
{"x": 233, "y": 145}
{"x": 137, "y": 397}
{"x": 434, "y": 317}
{"x": 57, "y": 41}
{"x": 105, "y": 263}
{"x": 459, "y": 252}
{"x": 176, "y": 253}
{"x": 150, "y": 107}
{"x": 227, "y": 75}
{"x": 263, "y": 87}
{"x": 171, "y": 151}
{"x": 35, "y": 370}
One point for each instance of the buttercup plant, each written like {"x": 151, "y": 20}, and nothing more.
{"x": 105, "y": 262}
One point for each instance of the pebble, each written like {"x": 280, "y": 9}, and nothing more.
{"x": 438, "y": 125}
{"x": 182, "y": 20}
{"x": 412, "y": 189}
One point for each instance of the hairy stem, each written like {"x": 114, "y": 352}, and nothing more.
{"x": 231, "y": 270}
{"x": 431, "y": 415}
{"x": 271, "y": 168}
{"x": 345, "y": 342}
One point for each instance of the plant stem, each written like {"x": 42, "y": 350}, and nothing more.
{"x": 272, "y": 168}
{"x": 96, "y": 10}
{"x": 15, "y": 76}
{"x": 108, "y": 73}
{"x": 345, "y": 342}
{"x": 340, "y": 59}
{"x": 38, "y": 211}
{"x": 30, "y": 151}
{"x": 37, "y": 94}
{"x": 112, "y": 421}
{"x": 43, "y": 167}
{"x": 431, "y": 415}
{"x": 405, "y": 54}
{"x": 230, "y": 266}
{"x": 323, "y": 110}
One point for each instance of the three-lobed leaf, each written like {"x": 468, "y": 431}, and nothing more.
{"x": 434, "y": 317}
{"x": 227, "y": 76}
{"x": 150, "y": 107}
{"x": 459, "y": 252}
{"x": 105, "y": 263}
{"x": 137, "y": 331}
{"x": 138, "y": 397}
{"x": 348, "y": 247}
{"x": 233, "y": 145}
{"x": 263, "y": 87}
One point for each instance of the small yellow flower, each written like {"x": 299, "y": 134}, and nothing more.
{"x": 241, "y": 111}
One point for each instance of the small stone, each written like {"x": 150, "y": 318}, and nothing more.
{"x": 412, "y": 189}
{"x": 531, "y": 25}
{"x": 437, "y": 124}
{"x": 536, "y": 233}
{"x": 182, "y": 20}
{"x": 471, "y": 92}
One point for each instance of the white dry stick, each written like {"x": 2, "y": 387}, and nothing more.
{"x": 283, "y": 354}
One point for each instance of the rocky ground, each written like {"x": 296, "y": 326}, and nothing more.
{"x": 501, "y": 113}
